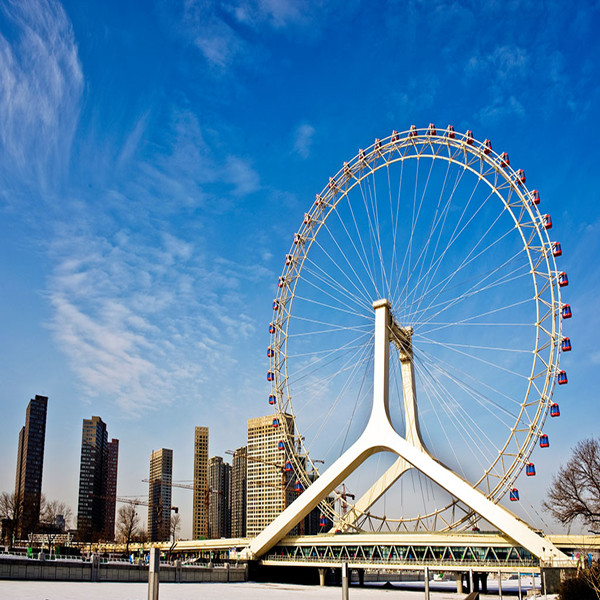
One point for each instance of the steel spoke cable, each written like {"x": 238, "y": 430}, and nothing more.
{"x": 328, "y": 279}
{"x": 469, "y": 258}
{"x": 402, "y": 293}
{"x": 359, "y": 279}
{"x": 455, "y": 236}
{"x": 425, "y": 249}
{"x": 451, "y": 410}
{"x": 476, "y": 288}
{"x": 435, "y": 264}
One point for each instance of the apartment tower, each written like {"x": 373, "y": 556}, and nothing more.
{"x": 200, "y": 501}
{"x": 268, "y": 491}
{"x": 30, "y": 462}
{"x": 239, "y": 479}
{"x": 97, "y": 483}
{"x": 159, "y": 495}
{"x": 219, "y": 508}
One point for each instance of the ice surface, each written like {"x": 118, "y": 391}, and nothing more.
{"x": 58, "y": 590}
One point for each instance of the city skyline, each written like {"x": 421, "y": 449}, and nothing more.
{"x": 145, "y": 218}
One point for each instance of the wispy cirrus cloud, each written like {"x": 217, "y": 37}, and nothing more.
{"x": 41, "y": 83}
{"x": 142, "y": 322}
{"x": 303, "y": 139}
{"x": 138, "y": 300}
{"x": 220, "y": 30}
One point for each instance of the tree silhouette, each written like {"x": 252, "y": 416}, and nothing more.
{"x": 575, "y": 491}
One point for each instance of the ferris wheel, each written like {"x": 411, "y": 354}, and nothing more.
{"x": 442, "y": 227}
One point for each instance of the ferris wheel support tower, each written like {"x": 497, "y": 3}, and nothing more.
{"x": 380, "y": 436}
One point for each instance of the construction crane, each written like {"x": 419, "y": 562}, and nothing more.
{"x": 139, "y": 502}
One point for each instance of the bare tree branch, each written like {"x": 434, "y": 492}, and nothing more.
{"x": 575, "y": 491}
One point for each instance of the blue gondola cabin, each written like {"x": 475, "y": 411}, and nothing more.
{"x": 565, "y": 345}
{"x": 270, "y": 376}
{"x": 323, "y": 521}
{"x": 280, "y": 445}
{"x": 562, "y": 378}
{"x": 272, "y": 400}
{"x": 298, "y": 487}
{"x": 544, "y": 441}
{"x": 566, "y": 311}
{"x": 270, "y": 352}
{"x": 530, "y": 469}
{"x": 275, "y": 304}
{"x": 271, "y": 328}
{"x": 275, "y": 423}
{"x": 554, "y": 410}
{"x": 514, "y": 495}
{"x": 288, "y": 467}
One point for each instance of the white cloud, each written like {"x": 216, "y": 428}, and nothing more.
{"x": 303, "y": 140}
{"x": 143, "y": 323}
{"x": 41, "y": 83}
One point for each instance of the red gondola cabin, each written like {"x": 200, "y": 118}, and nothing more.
{"x": 413, "y": 131}
{"x": 431, "y": 130}
{"x": 504, "y": 160}
{"x": 535, "y": 197}
{"x": 275, "y": 304}
{"x": 563, "y": 280}
{"x": 450, "y": 132}
{"x": 487, "y": 146}
{"x": 566, "y": 311}
{"x": 469, "y": 137}
{"x": 556, "y": 249}
{"x": 520, "y": 176}
{"x": 547, "y": 221}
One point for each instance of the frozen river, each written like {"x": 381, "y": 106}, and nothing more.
{"x": 56, "y": 590}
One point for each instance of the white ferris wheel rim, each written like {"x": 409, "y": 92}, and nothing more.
{"x": 469, "y": 154}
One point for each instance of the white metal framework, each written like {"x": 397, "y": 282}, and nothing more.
{"x": 442, "y": 226}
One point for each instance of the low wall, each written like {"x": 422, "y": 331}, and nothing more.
{"x": 77, "y": 570}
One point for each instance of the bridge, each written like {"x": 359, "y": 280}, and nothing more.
{"x": 484, "y": 552}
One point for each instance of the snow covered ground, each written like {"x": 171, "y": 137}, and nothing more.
{"x": 57, "y": 590}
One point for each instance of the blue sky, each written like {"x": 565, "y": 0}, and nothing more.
{"x": 157, "y": 158}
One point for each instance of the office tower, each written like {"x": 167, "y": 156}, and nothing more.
{"x": 237, "y": 498}
{"x": 200, "y": 501}
{"x": 219, "y": 512}
{"x": 112, "y": 464}
{"x": 97, "y": 482}
{"x": 159, "y": 495}
{"x": 30, "y": 463}
{"x": 268, "y": 490}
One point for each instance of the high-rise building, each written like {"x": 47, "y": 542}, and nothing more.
{"x": 97, "y": 482}
{"x": 237, "y": 498}
{"x": 268, "y": 490}
{"x": 30, "y": 463}
{"x": 159, "y": 495}
{"x": 219, "y": 510}
{"x": 200, "y": 501}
